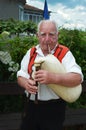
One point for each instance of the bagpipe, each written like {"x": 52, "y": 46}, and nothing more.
{"x": 52, "y": 64}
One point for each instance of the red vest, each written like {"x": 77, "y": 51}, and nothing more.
{"x": 59, "y": 53}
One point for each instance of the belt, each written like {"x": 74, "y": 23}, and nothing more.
{"x": 46, "y": 102}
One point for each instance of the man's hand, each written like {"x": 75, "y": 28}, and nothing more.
{"x": 28, "y": 84}
{"x": 42, "y": 76}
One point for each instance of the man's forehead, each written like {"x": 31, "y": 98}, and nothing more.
{"x": 49, "y": 29}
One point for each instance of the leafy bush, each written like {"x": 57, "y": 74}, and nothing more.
{"x": 76, "y": 41}
{"x": 15, "y": 39}
{"x": 17, "y": 27}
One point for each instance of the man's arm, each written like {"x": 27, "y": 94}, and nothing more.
{"x": 68, "y": 79}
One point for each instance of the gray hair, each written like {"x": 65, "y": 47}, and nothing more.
{"x": 47, "y": 21}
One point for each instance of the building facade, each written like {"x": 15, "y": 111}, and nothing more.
{"x": 19, "y": 10}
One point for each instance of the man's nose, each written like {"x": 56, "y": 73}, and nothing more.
{"x": 47, "y": 37}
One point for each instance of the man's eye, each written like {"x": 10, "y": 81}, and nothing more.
{"x": 51, "y": 34}
{"x": 43, "y": 34}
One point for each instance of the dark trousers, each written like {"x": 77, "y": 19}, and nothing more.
{"x": 46, "y": 115}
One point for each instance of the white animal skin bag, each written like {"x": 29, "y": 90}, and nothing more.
{"x": 52, "y": 64}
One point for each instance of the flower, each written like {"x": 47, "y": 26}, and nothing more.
{"x": 8, "y": 67}
{"x": 5, "y": 34}
{"x": 5, "y": 57}
{"x": 13, "y": 66}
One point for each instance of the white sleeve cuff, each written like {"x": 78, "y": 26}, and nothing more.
{"x": 23, "y": 74}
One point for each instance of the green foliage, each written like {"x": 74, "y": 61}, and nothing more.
{"x": 17, "y": 27}
{"x": 76, "y": 41}
{"x": 16, "y": 38}
{"x": 18, "y": 46}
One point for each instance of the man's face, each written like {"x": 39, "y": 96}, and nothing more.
{"x": 47, "y": 36}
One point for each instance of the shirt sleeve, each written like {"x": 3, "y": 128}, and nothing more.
{"x": 70, "y": 64}
{"x": 24, "y": 66}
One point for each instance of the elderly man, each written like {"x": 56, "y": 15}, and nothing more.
{"x": 49, "y": 112}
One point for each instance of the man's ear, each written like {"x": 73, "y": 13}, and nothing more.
{"x": 58, "y": 33}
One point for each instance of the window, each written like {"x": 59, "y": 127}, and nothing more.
{"x": 32, "y": 17}
{"x": 25, "y": 16}
{"x": 21, "y": 12}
